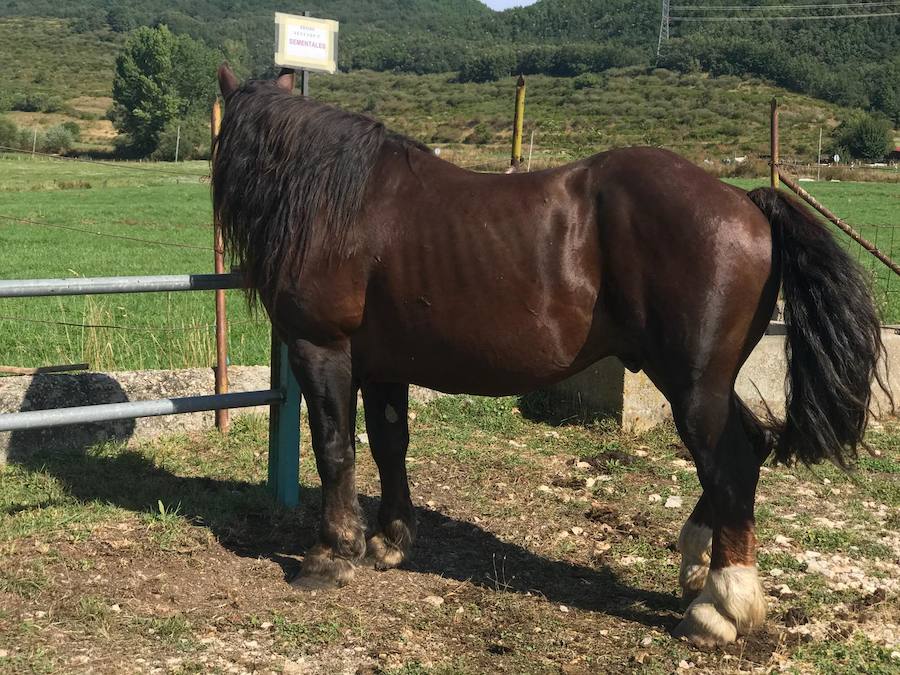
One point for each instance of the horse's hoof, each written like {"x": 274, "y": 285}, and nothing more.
{"x": 320, "y": 572}
{"x": 705, "y": 627}
{"x": 382, "y": 554}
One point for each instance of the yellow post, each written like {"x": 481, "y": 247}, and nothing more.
{"x": 773, "y": 174}
{"x": 518, "y": 124}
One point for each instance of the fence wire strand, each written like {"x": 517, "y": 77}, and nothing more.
{"x": 139, "y": 329}
{"x": 112, "y": 165}
{"x": 27, "y": 221}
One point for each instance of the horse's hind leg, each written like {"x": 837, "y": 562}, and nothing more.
{"x": 731, "y": 601}
{"x": 695, "y": 539}
{"x": 388, "y": 429}
{"x": 327, "y": 384}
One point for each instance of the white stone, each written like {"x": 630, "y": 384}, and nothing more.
{"x": 564, "y": 609}
{"x": 673, "y": 502}
{"x": 653, "y": 499}
{"x": 362, "y": 438}
{"x": 434, "y": 600}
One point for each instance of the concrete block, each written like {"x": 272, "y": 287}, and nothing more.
{"x": 631, "y": 399}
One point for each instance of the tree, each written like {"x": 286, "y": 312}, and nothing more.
{"x": 121, "y": 19}
{"x": 159, "y": 77}
{"x": 865, "y": 137}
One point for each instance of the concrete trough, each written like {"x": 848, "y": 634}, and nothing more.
{"x": 608, "y": 390}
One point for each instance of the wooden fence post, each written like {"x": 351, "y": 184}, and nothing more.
{"x": 223, "y": 417}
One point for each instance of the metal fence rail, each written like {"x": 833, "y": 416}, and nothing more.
{"x": 283, "y": 398}
{"x": 34, "y": 288}
{"x": 59, "y": 417}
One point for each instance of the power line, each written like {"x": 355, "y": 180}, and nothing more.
{"x": 806, "y": 17}
{"x": 26, "y": 221}
{"x": 722, "y": 8}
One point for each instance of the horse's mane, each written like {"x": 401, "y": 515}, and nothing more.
{"x": 289, "y": 177}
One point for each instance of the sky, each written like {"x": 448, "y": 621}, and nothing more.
{"x": 506, "y": 4}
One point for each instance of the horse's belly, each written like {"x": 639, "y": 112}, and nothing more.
{"x": 484, "y": 357}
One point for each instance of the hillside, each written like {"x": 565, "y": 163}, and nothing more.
{"x": 703, "y": 117}
{"x": 853, "y": 63}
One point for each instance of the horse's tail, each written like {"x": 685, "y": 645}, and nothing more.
{"x": 834, "y": 337}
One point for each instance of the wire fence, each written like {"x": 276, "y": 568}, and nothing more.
{"x": 885, "y": 237}
{"x": 108, "y": 235}
{"x": 131, "y": 166}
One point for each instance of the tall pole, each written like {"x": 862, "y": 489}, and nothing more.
{"x": 34, "y": 143}
{"x": 223, "y": 417}
{"x": 819, "y": 157}
{"x": 773, "y": 173}
{"x": 518, "y": 124}
{"x": 177, "y": 143}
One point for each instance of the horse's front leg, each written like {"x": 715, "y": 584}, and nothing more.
{"x": 325, "y": 376}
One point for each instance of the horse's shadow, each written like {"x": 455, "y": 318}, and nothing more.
{"x": 245, "y": 521}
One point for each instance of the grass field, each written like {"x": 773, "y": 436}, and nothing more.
{"x": 171, "y": 204}
{"x": 541, "y": 549}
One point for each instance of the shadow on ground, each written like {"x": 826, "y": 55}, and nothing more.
{"x": 245, "y": 521}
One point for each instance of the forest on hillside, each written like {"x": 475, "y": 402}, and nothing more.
{"x": 851, "y": 62}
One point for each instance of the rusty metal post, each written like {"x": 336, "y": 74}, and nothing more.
{"x": 518, "y": 124}
{"x": 223, "y": 417}
{"x": 775, "y": 159}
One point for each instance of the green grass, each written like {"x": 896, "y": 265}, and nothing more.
{"x": 160, "y": 330}
{"x": 858, "y": 656}
{"x": 176, "y": 330}
{"x": 170, "y": 203}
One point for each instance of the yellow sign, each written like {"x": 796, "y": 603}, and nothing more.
{"x": 305, "y": 42}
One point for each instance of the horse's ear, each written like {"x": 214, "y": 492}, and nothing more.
{"x": 286, "y": 79}
{"x": 228, "y": 83}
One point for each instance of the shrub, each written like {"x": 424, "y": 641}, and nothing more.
{"x": 37, "y": 103}
{"x": 73, "y": 129}
{"x": 488, "y": 66}
{"x": 58, "y": 139}
{"x": 9, "y": 133}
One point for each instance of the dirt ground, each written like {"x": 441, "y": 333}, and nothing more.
{"x": 541, "y": 549}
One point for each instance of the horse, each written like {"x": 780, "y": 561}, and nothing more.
{"x": 381, "y": 265}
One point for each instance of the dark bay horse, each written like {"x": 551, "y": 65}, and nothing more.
{"x": 381, "y": 265}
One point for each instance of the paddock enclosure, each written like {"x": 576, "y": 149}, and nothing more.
{"x": 171, "y": 554}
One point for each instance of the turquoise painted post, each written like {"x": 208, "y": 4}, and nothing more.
{"x": 284, "y": 431}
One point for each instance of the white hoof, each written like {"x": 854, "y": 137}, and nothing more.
{"x": 730, "y": 604}
{"x": 739, "y": 595}
{"x": 705, "y": 626}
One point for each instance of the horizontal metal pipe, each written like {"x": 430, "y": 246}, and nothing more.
{"x": 42, "y": 419}
{"x": 30, "y": 288}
